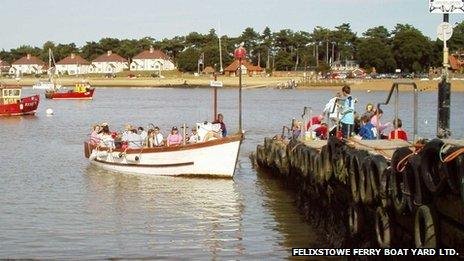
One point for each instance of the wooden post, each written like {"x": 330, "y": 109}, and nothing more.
{"x": 240, "y": 95}
{"x": 215, "y": 99}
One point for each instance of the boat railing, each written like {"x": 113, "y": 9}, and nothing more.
{"x": 395, "y": 89}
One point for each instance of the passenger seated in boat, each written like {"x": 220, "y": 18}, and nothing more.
{"x": 134, "y": 141}
{"x": 94, "y": 136}
{"x": 106, "y": 139}
{"x": 220, "y": 120}
{"x": 398, "y": 133}
{"x": 174, "y": 138}
{"x": 155, "y": 138}
{"x": 194, "y": 137}
{"x": 143, "y": 134}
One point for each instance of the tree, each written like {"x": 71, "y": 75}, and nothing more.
{"x": 188, "y": 60}
{"x": 92, "y": 50}
{"x": 411, "y": 49}
{"x": 373, "y": 52}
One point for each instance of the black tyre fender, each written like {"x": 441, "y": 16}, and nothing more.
{"x": 383, "y": 228}
{"x": 326, "y": 164}
{"x": 426, "y": 227}
{"x": 377, "y": 169}
{"x": 399, "y": 200}
{"x": 365, "y": 187}
{"x": 355, "y": 219}
{"x": 453, "y": 171}
{"x": 432, "y": 170}
{"x": 384, "y": 188}
{"x": 354, "y": 173}
{"x": 421, "y": 195}
{"x": 304, "y": 161}
{"x": 259, "y": 155}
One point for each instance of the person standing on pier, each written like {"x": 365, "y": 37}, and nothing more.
{"x": 347, "y": 112}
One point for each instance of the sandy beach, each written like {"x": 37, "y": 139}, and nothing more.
{"x": 231, "y": 82}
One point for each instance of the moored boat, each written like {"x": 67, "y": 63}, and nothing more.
{"x": 216, "y": 157}
{"x": 81, "y": 91}
{"x": 11, "y": 103}
{"x": 50, "y": 83}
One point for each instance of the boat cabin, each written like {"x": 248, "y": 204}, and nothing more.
{"x": 10, "y": 94}
{"x": 81, "y": 87}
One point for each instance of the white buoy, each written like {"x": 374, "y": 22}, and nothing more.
{"x": 49, "y": 111}
{"x": 368, "y": 91}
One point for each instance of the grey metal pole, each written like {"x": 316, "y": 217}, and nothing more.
{"x": 444, "y": 95}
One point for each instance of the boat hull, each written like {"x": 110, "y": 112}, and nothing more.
{"x": 70, "y": 95}
{"x": 26, "y": 106}
{"x": 211, "y": 158}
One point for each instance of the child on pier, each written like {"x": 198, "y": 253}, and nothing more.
{"x": 368, "y": 130}
{"x": 398, "y": 133}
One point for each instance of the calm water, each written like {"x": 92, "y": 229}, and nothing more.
{"x": 53, "y": 204}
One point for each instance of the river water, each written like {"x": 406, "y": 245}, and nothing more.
{"x": 53, "y": 204}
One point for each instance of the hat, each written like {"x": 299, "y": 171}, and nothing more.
{"x": 174, "y": 128}
{"x": 104, "y": 124}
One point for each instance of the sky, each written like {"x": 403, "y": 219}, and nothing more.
{"x": 33, "y": 22}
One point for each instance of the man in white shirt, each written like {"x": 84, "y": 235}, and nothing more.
{"x": 158, "y": 139}
{"x": 134, "y": 141}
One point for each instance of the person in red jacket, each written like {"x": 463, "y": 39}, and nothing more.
{"x": 398, "y": 133}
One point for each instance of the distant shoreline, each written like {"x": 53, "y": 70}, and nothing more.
{"x": 232, "y": 82}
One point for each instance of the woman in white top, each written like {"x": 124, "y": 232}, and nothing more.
{"x": 106, "y": 140}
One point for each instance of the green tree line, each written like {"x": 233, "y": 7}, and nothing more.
{"x": 404, "y": 47}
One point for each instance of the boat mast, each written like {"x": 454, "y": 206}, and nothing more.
{"x": 220, "y": 49}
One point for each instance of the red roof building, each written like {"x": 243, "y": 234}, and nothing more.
{"x": 109, "y": 63}
{"x": 29, "y": 59}
{"x": 28, "y": 64}
{"x": 4, "y": 66}
{"x": 110, "y": 57}
{"x": 73, "y": 59}
{"x": 73, "y": 64}
{"x": 152, "y": 60}
{"x": 247, "y": 68}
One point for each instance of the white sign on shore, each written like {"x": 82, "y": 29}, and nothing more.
{"x": 446, "y": 6}
{"x": 445, "y": 31}
{"x": 215, "y": 84}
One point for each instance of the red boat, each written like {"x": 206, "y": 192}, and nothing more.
{"x": 82, "y": 91}
{"x": 11, "y": 103}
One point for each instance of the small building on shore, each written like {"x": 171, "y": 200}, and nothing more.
{"x": 246, "y": 67}
{"x": 108, "y": 63}
{"x": 72, "y": 65}
{"x": 28, "y": 64}
{"x": 152, "y": 60}
{"x": 209, "y": 70}
{"x": 4, "y": 67}
{"x": 456, "y": 61}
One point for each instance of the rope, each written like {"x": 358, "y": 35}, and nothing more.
{"x": 454, "y": 155}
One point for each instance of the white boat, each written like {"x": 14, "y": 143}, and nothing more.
{"x": 48, "y": 85}
{"x": 45, "y": 86}
{"x": 216, "y": 157}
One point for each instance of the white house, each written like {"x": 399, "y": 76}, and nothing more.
{"x": 28, "y": 65}
{"x": 72, "y": 65}
{"x": 152, "y": 60}
{"x": 108, "y": 63}
{"x": 4, "y": 67}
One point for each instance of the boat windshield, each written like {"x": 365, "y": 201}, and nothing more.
{"x": 10, "y": 96}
